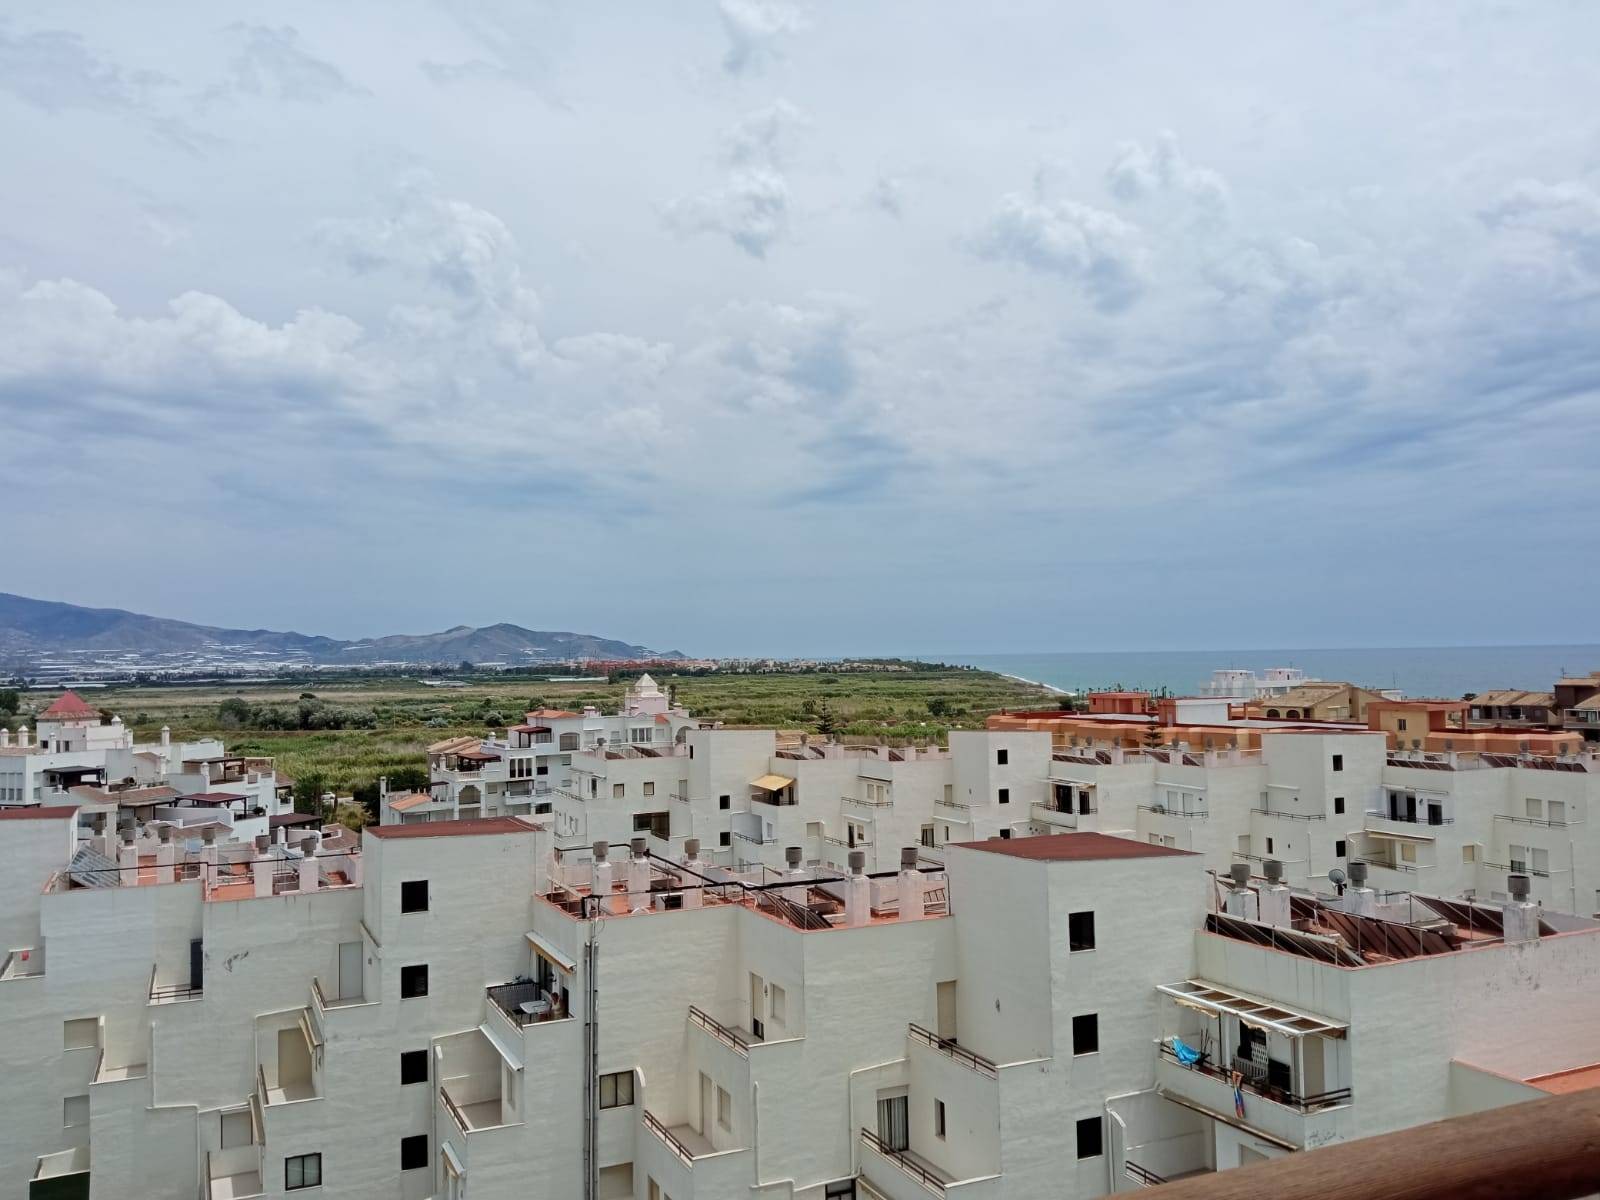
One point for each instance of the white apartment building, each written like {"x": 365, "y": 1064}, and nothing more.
{"x": 1236, "y": 684}
{"x": 521, "y": 772}
{"x": 452, "y": 1011}
{"x": 72, "y": 758}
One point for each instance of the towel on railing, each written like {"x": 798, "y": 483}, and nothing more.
{"x": 1186, "y": 1053}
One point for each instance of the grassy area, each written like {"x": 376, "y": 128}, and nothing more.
{"x": 406, "y": 715}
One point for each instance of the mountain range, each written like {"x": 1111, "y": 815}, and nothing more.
{"x": 32, "y": 629}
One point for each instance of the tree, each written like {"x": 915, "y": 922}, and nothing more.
{"x": 827, "y": 725}
{"x": 308, "y": 790}
{"x": 938, "y": 706}
{"x": 233, "y": 713}
{"x": 10, "y": 701}
{"x": 1152, "y": 735}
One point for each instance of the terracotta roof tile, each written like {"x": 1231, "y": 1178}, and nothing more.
{"x": 70, "y": 705}
{"x": 1072, "y": 847}
{"x": 57, "y": 813}
{"x": 473, "y": 828}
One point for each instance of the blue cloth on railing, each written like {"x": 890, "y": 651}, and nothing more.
{"x": 1186, "y": 1053}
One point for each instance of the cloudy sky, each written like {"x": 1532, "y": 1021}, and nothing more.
{"x": 775, "y": 326}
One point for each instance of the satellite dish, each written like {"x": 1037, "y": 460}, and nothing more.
{"x": 1336, "y": 877}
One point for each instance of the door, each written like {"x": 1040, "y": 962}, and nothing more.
{"x": 1435, "y": 814}
{"x": 706, "y": 1102}
{"x": 758, "y": 993}
{"x": 945, "y": 1001}
{"x": 894, "y": 1125}
{"x": 350, "y": 983}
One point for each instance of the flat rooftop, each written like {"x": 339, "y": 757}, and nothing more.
{"x": 1073, "y": 847}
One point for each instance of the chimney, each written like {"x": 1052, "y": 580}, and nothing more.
{"x": 128, "y": 858}
{"x": 1241, "y": 900}
{"x": 22, "y": 734}
{"x": 792, "y": 856}
{"x": 1359, "y": 899}
{"x": 910, "y": 885}
{"x": 600, "y": 875}
{"x": 5, "y": 737}
{"x": 639, "y": 874}
{"x": 1521, "y": 915}
{"x": 308, "y": 862}
{"x": 166, "y": 853}
{"x": 261, "y": 866}
{"x": 383, "y": 787}
{"x": 1273, "y": 899}
{"x": 166, "y": 736}
{"x": 691, "y": 883}
{"x": 857, "y": 891}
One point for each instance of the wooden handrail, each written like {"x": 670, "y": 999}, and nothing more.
{"x": 1541, "y": 1150}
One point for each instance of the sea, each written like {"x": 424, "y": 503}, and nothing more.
{"x": 1445, "y": 671}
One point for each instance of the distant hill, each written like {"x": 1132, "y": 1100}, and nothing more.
{"x": 34, "y": 628}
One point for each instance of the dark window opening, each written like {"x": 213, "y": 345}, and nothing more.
{"x": 413, "y": 981}
{"x": 414, "y": 896}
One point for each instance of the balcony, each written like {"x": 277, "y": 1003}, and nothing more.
{"x": 172, "y": 993}
{"x": 950, "y": 1049}
{"x": 1161, "y": 810}
{"x": 526, "y": 1003}
{"x": 735, "y": 1039}
{"x": 473, "y": 1104}
{"x": 234, "y": 1173}
{"x": 856, "y": 802}
{"x": 63, "y": 1175}
{"x": 1403, "y": 823}
{"x": 906, "y": 1175}
{"x": 1279, "y": 1114}
{"x": 23, "y": 964}
{"x": 1062, "y": 818}
{"x": 1279, "y": 814}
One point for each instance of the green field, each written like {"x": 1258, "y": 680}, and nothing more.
{"x": 405, "y": 715}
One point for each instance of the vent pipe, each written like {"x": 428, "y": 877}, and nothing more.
{"x": 857, "y": 891}
{"x": 910, "y": 885}
{"x": 692, "y": 886}
{"x": 600, "y": 875}
{"x": 309, "y": 878}
{"x": 1273, "y": 899}
{"x": 1359, "y": 899}
{"x": 639, "y": 874}
{"x": 1520, "y": 916}
{"x": 792, "y": 856}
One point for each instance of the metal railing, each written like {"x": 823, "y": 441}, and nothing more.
{"x": 1290, "y": 816}
{"x": 907, "y": 1164}
{"x": 1162, "y": 810}
{"x": 510, "y": 997}
{"x": 1420, "y": 818}
{"x": 728, "y": 1037}
{"x": 1532, "y": 821}
{"x": 1277, "y": 1095}
{"x": 1516, "y": 868}
{"x": 759, "y": 841}
{"x": 1388, "y": 865}
{"x": 456, "y": 1114}
{"x": 859, "y": 803}
{"x": 1141, "y": 1176}
{"x": 674, "y": 1143}
{"x": 175, "y": 991}
{"x": 951, "y": 1049}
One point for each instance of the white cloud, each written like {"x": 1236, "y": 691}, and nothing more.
{"x": 274, "y": 61}
{"x": 1085, "y": 245}
{"x": 754, "y": 29}
{"x": 1141, "y": 172}
{"x": 751, "y": 206}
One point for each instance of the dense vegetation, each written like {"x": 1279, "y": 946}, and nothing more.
{"x": 342, "y": 734}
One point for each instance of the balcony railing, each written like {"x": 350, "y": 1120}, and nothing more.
{"x": 1289, "y": 816}
{"x": 1419, "y": 818}
{"x": 455, "y": 1112}
{"x": 1551, "y": 824}
{"x": 731, "y": 1038}
{"x": 674, "y": 1143}
{"x": 167, "y": 993}
{"x": 1141, "y": 1176}
{"x": 859, "y": 803}
{"x": 1517, "y": 868}
{"x": 1390, "y": 864}
{"x": 1162, "y": 810}
{"x": 1283, "y": 1096}
{"x": 948, "y": 1047}
{"x": 905, "y": 1162}
{"x": 510, "y": 998}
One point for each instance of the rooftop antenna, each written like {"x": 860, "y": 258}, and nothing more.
{"x": 1336, "y": 877}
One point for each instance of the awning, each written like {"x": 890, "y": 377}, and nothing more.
{"x": 1385, "y": 835}
{"x": 503, "y": 1048}
{"x": 772, "y": 783}
{"x": 452, "y": 1163}
{"x": 1257, "y": 1013}
{"x": 547, "y": 949}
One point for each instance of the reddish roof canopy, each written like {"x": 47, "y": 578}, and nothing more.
{"x": 70, "y": 705}
{"x": 477, "y": 825}
{"x": 58, "y": 813}
{"x": 1072, "y": 847}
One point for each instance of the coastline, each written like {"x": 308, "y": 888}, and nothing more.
{"x": 1049, "y": 687}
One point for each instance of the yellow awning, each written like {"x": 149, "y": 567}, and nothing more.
{"x": 772, "y": 783}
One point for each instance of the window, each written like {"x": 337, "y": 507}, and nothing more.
{"x": 1339, "y": 848}
{"x": 724, "y": 802}
{"x": 658, "y": 824}
{"x": 616, "y": 1089}
{"x": 1080, "y": 931}
{"x": 1086, "y": 1034}
{"x": 1005, "y": 795}
{"x": 724, "y": 1108}
{"x": 1002, "y": 757}
{"x": 638, "y": 736}
{"x": 1005, "y": 835}
{"x": 1338, "y": 762}
{"x": 1534, "y": 808}
{"x": 842, "y": 1189}
{"x": 1469, "y": 853}
{"x": 1408, "y": 852}
{"x": 302, "y": 1171}
{"x": 779, "y": 1004}
{"x": 81, "y": 1034}
{"x": 618, "y": 790}
{"x": 1269, "y": 845}
{"x": 414, "y": 1152}
{"x": 413, "y": 981}
{"x": 724, "y": 838}
{"x": 74, "y": 1112}
{"x": 413, "y": 1066}
{"x": 1090, "y": 1137}
{"x": 1401, "y": 724}
{"x": 569, "y": 741}
{"x": 414, "y": 896}
{"x": 1338, "y": 805}
{"x": 927, "y": 836}
{"x": 236, "y": 1128}
{"x": 649, "y": 787}
{"x": 938, "y": 1118}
